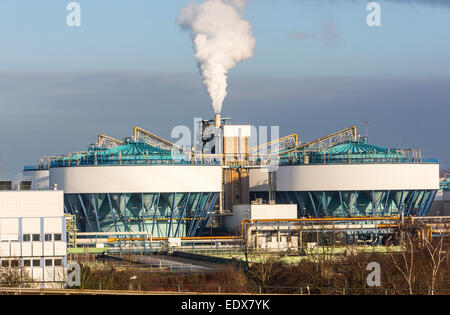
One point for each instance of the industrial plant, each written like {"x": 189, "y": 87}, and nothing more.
{"x": 225, "y": 207}
{"x": 143, "y": 194}
{"x": 146, "y": 184}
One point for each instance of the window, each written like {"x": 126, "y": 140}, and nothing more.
{"x": 57, "y": 237}
{"x": 27, "y": 263}
{"x": 36, "y": 262}
{"x": 48, "y": 237}
{"x": 36, "y": 237}
{"x": 14, "y": 263}
{"x": 25, "y": 185}
{"x": 5, "y": 263}
{"x": 48, "y": 263}
{"x": 26, "y": 237}
{"x": 57, "y": 262}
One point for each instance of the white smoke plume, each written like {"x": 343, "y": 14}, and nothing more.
{"x": 221, "y": 39}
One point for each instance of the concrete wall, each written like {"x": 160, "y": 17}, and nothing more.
{"x": 39, "y": 179}
{"x": 350, "y": 177}
{"x": 133, "y": 179}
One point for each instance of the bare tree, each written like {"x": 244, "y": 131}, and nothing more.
{"x": 266, "y": 269}
{"x": 437, "y": 256}
{"x": 245, "y": 247}
{"x": 14, "y": 277}
{"x": 407, "y": 268}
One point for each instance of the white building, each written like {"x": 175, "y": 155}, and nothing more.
{"x": 266, "y": 233}
{"x": 33, "y": 234}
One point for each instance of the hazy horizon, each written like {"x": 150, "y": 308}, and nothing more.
{"x": 57, "y": 113}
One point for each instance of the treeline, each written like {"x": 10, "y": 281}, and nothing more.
{"x": 420, "y": 268}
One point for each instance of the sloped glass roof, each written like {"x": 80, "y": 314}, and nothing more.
{"x": 134, "y": 149}
{"x": 359, "y": 148}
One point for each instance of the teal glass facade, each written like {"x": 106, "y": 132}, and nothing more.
{"x": 159, "y": 214}
{"x": 355, "y": 203}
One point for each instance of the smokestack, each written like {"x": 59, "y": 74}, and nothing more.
{"x": 218, "y": 122}
{"x": 221, "y": 39}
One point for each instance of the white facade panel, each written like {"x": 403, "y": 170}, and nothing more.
{"x": 350, "y": 177}
{"x": 9, "y": 226}
{"x": 37, "y": 249}
{"x": 15, "y": 249}
{"x": 25, "y": 250}
{"x": 258, "y": 179}
{"x": 59, "y": 248}
{"x": 236, "y": 131}
{"x": 31, "y": 225}
{"x": 15, "y": 204}
{"x": 49, "y": 249}
{"x": 9, "y": 237}
{"x": 137, "y": 178}
{"x": 37, "y": 272}
{"x": 258, "y": 212}
{"x": 25, "y": 218}
{"x": 5, "y": 248}
{"x": 277, "y": 211}
{"x": 52, "y": 225}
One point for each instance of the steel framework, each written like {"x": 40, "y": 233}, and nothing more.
{"x": 348, "y": 134}
{"x": 276, "y": 146}
{"x": 154, "y": 140}
{"x": 108, "y": 142}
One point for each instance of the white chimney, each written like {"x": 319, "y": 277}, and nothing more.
{"x": 218, "y": 122}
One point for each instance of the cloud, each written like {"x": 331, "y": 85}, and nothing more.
{"x": 238, "y": 4}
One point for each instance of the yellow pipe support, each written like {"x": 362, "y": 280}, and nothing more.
{"x": 151, "y": 135}
{"x": 277, "y": 140}
{"x": 102, "y": 136}
{"x": 351, "y": 128}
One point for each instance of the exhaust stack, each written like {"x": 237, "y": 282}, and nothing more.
{"x": 218, "y": 122}
{"x": 218, "y": 134}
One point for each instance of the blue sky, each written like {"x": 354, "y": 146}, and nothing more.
{"x": 129, "y": 63}
{"x": 143, "y": 35}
